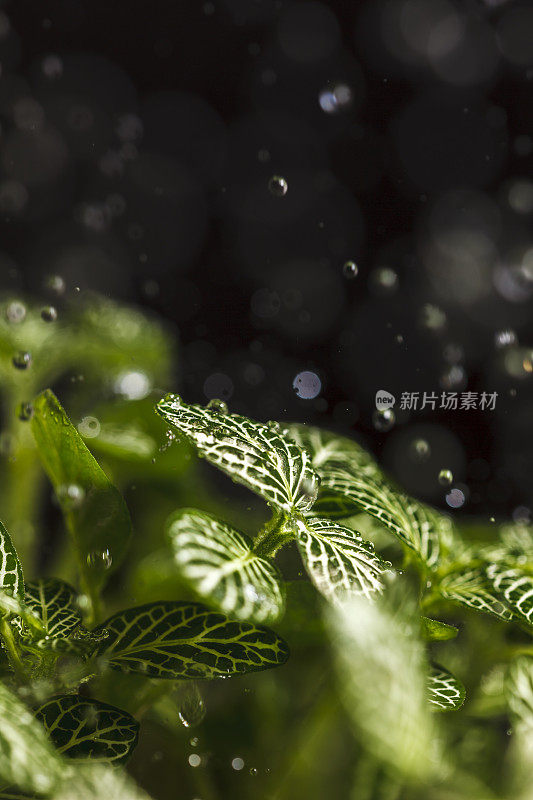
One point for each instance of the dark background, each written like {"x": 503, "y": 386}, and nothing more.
{"x": 137, "y": 145}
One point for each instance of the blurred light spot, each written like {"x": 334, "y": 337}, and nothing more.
{"x": 52, "y": 67}
{"x": 89, "y": 427}
{"x": 278, "y": 186}
{"x": 515, "y": 282}
{"x": 218, "y": 385}
{"x": 432, "y": 317}
{"x": 133, "y": 385}
{"x": 195, "y": 760}
{"x": 129, "y": 128}
{"x": 336, "y": 98}
{"x": 455, "y": 498}
{"x": 520, "y": 196}
{"x": 453, "y": 378}
{"x": 523, "y": 145}
{"x": 237, "y": 764}
{"x": 383, "y": 281}
{"x": 28, "y": 114}
{"x": 505, "y": 338}
{"x": 13, "y": 197}
{"x": 307, "y": 385}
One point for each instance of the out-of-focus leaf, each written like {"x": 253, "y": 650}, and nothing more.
{"x": 27, "y": 757}
{"x": 94, "y": 781}
{"x": 515, "y": 588}
{"x": 186, "y": 640}
{"x": 82, "y": 728}
{"x": 433, "y": 630}
{"x": 11, "y": 579}
{"x": 19, "y": 612}
{"x": 339, "y": 561}
{"x": 473, "y": 589}
{"x": 329, "y": 450}
{"x": 518, "y": 689}
{"x": 95, "y": 513}
{"x": 220, "y": 565}
{"x": 261, "y": 457}
{"x": 382, "y": 669}
{"x": 121, "y": 441}
{"x": 445, "y": 692}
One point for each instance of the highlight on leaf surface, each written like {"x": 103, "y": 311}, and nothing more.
{"x": 381, "y": 677}
{"x": 95, "y": 512}
{"x": 219, "y": 564}
{"x": 433, "y": 630}
{"x": 28, "y": 759}
{"x": 11, "y": 578}
{"x": 257, "y": 455}
{"x": 445, "y": 692}
{"x": 339, "y": 561}
{"x": 82, "y": 728}
{"x": 177, "y": 640}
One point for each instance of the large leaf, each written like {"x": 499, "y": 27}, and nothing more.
{"x": 220, "y": 565}
{"x": 471, "y": 587}
{"x": 261, "y": 457}
{"x": 95, "y": 512}
{"x": 11, "y": 580}
{"x": 445, "y": 692}
{"x": 81, "y": 728}
{"x": 185, "y": 640}
{"x": 27, "y": 757}
{"x": 381, "y": 666}
{"x": 339, "y": 561}
{"x": 515, "y": 588}
{"x": 342, "y": 493}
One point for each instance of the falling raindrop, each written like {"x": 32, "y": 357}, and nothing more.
{"x": 278, "y": 186}
{"x": 191, "y": 706}
{"x": 350, "y": 269}
{"x": 49, "y": 314}
{"x": 445, "y": 477}
{"x": 383, "y": 419}
{"x": 22, "y": 360}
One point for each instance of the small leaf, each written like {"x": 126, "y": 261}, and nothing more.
{"x": 259, "y": 456}
{"x": 339, "y": 561}
{"x": 83, "y": 728}
{"x": 185, "y": 640}
{"x": 220, "y": 565}
{"x": 27, "y": 757}
{"x": 95, "y": 513}
{"x": 12, "y": 607}
{"x": 54, "y": 602}
{"x": 444, "y": 691}
{"x": 433, "y": 630}
{"x": 11, "y": 580}
{"x": 515, "y": 588}
{"x": 471, "y": 587}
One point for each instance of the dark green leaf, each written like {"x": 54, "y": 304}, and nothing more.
{"x": 445, "y": 692}
{"x": 83, "y": 728}
{"x": 55, "y": 603}
{"x": 11, "y": 580}
{"x": 185, "y": 640}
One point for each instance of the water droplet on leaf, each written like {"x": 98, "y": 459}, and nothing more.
{"x": 71, "y": 496}
{"x": 218, "y": 405}
{"x": 22, "y": 360}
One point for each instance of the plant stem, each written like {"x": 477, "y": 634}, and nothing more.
{"x": 11, "y": 649}
{"x": 273, "y": 535}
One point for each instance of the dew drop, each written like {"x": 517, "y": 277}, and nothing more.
{"x": 350, "y": 269}
{"x": 100, "y": 559}
{"x": 16, "y": 312}
{"x": 22, "y": 360}
{"x": 278, "y": 186}
{"x": 25, "y": 412}
{"x": 445, "y": 477}
{"x": 191, "y": 707}
{"x": 218, "y": 405}
{"x": 383, "y": 419}
{"x": 420, "y": 450}
{"x": 49, "y": 314}
{"x": 273, "y": 425}
{"x": 71, "y": 496}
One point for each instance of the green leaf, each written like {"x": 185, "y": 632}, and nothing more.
{"x": 261, "y": 457}
{"x": 515, "y": 588}
{"x": 27, "y": 757}
{"x": 417, "y": 526}
{"x": 433, "y": 630}
{"x": 94, "y": 781}
{"x": 83, "y": 728}
{"x": 54, "y": 602}
{"x": 471, "y": 587}
{"x": 121, "y": 441}
{"x": 444, "y": 691}
{"x": 518, "y": 689}
{"x": 95, "y": 513}
{"x": 11, "y": 579}
{"x": 185, "y": 640}
{"x": 339, "y": 561}
{"x": 12, "y": 607}
{"x": 328, "y": 450}
{"x": 219, "y": 564}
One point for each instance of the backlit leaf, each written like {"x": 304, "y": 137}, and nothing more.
{"x": 185, "y": 640}
{"x": 339, "y": 561}
{"x": 433, "y": 630}
{"x": 515, "y": 587}
{"x": 472, "y": 588}
{"x": 256, "y": 455}
{"x": 444, "y": 691}
{"x": 95, "y": 512}
{"x": 83, "y": 728}
{"x": 11, "y": 580}
{"x": 220, "y": 565}
{"x": 328, "y": 450}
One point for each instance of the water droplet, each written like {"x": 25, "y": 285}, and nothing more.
{"x": 56, "y": 284}
{"x": 455, "y": 498}
{"x": 278, "y": 186}
{"x": 383, "y": 419}
{"x": 100, "y": 559}
{"x": 191, "y": 706}
{"x": 49, "y": 314}
{"x": 22, "y": 360}
{"x": 195, "y": 760}
{"x": 253, "y": 771}
{"x": 445, "y": 477}
{"x": 237, "y": 764}
{"x": 15, "y": 312}
{"x": 218, "y": 405}
{"x": 350, "y": 269}
{"x": 273, "y": 425}
{"x": 25, "y": 412}
{"x": 310, "y": 489}
{"x": 194, "y": 741}
{"x": 71, "y": 496}
{"x": 420, "y": 450}
{"x": 307, "y": 385}
{"x": 89, "y": 427}
{"x": 505, "y": 338}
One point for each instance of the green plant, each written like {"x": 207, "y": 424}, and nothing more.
{"x": 369, "y": 661}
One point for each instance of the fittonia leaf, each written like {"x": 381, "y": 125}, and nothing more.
{"x": 472, "y": 588}
{"x": 445, "y": 692}
{"x": 260, "y": 456}
{"x": 11, "y": 579}
{"x": 220, "y": 565}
